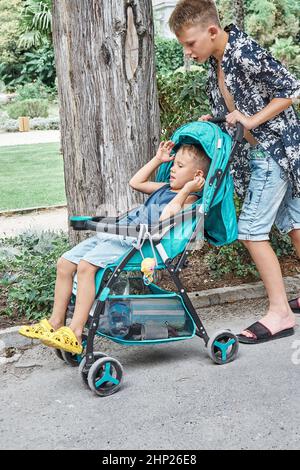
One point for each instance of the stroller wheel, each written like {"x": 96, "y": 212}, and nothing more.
{"x": 81, "y": 370}
{"x": 58, "y": 353}
{"x": 223, "y": 347}
{"x": 72, "y": 360}
{"x": 105, "y": 376}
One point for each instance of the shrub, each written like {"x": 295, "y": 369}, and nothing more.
{"x": 32, "y": 108}
{"x": 28, "y": 272}
{"x": 182, "y": 97}
{"x": 168, "y": 55}
{"x": 32, "y": 91}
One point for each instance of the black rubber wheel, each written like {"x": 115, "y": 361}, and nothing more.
{"x": 105, "y": 376}
{"x": 71, "y": 359}
{"x": 58, "y": 354}
{"x": 223, "y": 347}
{"x": 81, "y": 370}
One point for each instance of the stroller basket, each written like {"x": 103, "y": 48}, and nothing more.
{"x": 146, "y": 318}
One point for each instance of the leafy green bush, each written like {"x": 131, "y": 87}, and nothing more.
{"x": 168, "y": 55}
{"x": 182, "y": 97}
{"x": 32, "y": 108}
{"x": 39, "y": 64}
{"x": 32, "y": 91}
{"x": 233, "y": 259}
{"x": 28, "y": 272}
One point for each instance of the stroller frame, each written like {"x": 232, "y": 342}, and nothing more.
{"x": 222, "y": 346}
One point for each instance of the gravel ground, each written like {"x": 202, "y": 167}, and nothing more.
{"x": 52, "y": 219}
{"x": 31, "y": 137}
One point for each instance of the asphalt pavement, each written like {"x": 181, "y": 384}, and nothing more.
{"x": 173, "y": 396}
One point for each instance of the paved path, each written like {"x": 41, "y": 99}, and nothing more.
{"x": 54, "y": 220}
{"x": 173, "y": 396}
{"x": 31, "y": 137}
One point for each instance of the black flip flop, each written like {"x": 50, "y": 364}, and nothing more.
{"x": 294, "y": 305}
{"x": 263, "y": 334}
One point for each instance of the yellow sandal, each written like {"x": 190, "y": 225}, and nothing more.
{"x": 37, "y": 331}
{"x": 65, "y": 339}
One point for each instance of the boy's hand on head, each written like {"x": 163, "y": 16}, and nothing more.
{"x": 164, "y": 151}
{"x": 195, "y": 185}
{"x": 236, "y": 116}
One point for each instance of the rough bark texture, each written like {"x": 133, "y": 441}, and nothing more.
{"x": 108, "y": 100}
{"x": 239, "y": 13}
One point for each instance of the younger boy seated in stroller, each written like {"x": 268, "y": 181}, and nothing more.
{"x": 187, "y": 178}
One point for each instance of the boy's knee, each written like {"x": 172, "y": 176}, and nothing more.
{"x": 64, "y": 266}
{"x": 85, "y": 268}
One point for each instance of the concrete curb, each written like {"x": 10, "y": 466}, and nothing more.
{"x": 30, "y": 209}
{"x": 10, "y": 337}
{"x": 255, "y": 290}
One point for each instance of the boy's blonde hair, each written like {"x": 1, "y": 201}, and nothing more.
{"x": 192, "y": 12}
{"x": 198, "y": 154}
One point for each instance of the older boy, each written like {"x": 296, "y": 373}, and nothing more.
{"x": 248, "y": 85}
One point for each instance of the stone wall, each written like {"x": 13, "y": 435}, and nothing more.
{"x": 162, "y": 10}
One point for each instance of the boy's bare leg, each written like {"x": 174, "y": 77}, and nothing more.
{"x": 63, "y": 291}
{"x": 279, "y": 315}
{"x": 85, "y": 296}
{"x": 295, "y": 237}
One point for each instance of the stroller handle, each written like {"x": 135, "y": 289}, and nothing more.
{"x": 239, "y": 135}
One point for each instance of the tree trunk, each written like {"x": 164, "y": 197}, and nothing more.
{"x": 109, "y": 112}
{"x": 239, "y": 13}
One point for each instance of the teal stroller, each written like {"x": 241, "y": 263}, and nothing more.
{"x": 134, "y": 310}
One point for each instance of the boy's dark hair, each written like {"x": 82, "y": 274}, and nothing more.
{"x": 198, "y": 153}
{"x": 192, "y": 12}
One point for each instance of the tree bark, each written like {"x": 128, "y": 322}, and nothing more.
{"x": 109, "y": 112}
{"x": 239, "y": 13}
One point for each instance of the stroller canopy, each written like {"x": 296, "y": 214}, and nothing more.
{"x": 220, "y": 220}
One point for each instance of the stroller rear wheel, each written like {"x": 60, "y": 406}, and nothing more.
{"x": 223, "y": 347}
{"x": 105, "y": 376}
{"x": 59, "y": 354}
{"x": 72, "y": 360}
{"x": 81, "y": 370}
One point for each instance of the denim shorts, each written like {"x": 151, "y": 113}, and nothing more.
{"x": 268, "y": 200}
{"x": 100, "y": 250}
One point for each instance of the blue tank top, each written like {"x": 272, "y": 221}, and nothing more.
{"x": 150, "y": 212}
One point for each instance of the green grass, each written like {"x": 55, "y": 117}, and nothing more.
{"x": 31, "y": 176}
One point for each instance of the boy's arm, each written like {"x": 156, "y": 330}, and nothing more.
{"x": 275, "y": 107}
{"x": 140, "y": 181}
{"x": 183, "y": 198}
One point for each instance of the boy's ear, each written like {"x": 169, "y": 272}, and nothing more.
{"x": 199, "y": 173}
{"x": 213, "y": 31}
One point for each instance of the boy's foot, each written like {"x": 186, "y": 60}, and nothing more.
{"x": 268, "y": 328}
{"x": 64, "y": 338}
{"x": 37, "y": 331}
{"x": 261, "y": 334}
{"x": 295, "y": 305}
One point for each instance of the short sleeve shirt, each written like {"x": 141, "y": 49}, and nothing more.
{"x": 253, "y": 77}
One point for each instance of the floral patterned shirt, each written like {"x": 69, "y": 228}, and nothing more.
{"x": 254, "y": 78}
